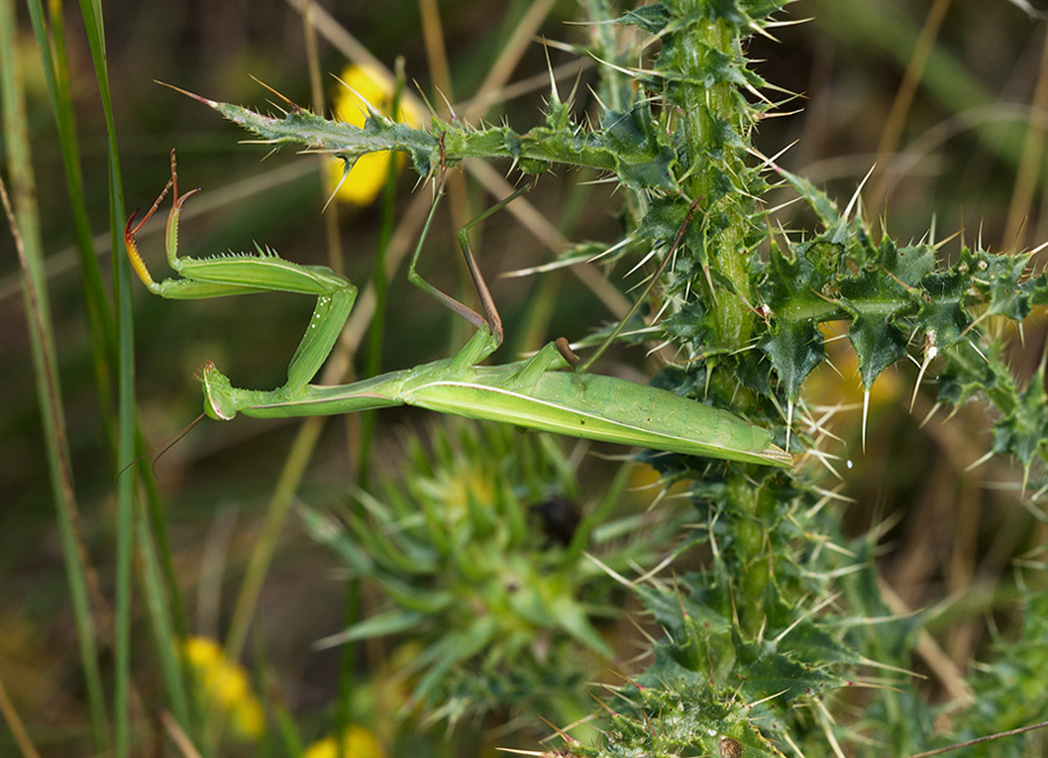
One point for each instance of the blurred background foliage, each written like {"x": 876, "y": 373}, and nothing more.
{"x": 953, "y": 159}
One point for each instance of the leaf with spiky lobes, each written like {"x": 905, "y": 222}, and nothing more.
{"x": 558, "y": 116}
{"x": 628, "y": 143}
{"x": 790, "y": 288}
{"x": 1024, "y": 432}
{"x": 300, "y": 126}
{"x": 1022, "y": 429}
{"x": 1010, "y": 692}
{"x": 690, "y": 324}
{"x": 794, "y": 349}
{"x": 816, "y": 199}
{"x": 1002, "y": 282}
{"x": 807, "y": 641}
{"x": 877, "y": 343}
{"x": 665, "y": 218}
{"x": 640, "y": 159}
{"x": 764, "y": 672}
{"x": 744, "y": 13}
{"x": 876, "y": 298}
{"x": 701, "y": 641}
{"x": 942, "y": 315}
{"x": 718, "y": 68}
{"x": 964, "y": 376}
{"x": 651, "y": 18}
{"x": 447, "y": 145}
{"x": 677, "y": 714}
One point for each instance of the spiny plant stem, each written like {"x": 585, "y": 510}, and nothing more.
{"x": 703, "y": 107}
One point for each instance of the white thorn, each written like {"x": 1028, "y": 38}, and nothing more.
{"x": 858, "y": 190}
{"x": 920, "y": 375}
{"x": 975, "y": 464}
{"x": 931, "y": 413}
{"x": 865, "y": 415}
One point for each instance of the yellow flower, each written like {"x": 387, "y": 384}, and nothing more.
{"x": 224, "y": 685}
{"x": 357, "y": 742}
{"x": 369, "y": 173}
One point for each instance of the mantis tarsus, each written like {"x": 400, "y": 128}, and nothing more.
{"x": 544, "y": 392}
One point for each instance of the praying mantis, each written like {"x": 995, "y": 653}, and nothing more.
{"x": 548, "y": 392}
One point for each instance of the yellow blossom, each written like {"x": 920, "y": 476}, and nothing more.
{"x": 357, "y": 742}
{"x": 224, "y": 685}
{"x": 369, "y": 173}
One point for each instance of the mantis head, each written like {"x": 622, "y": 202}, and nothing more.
{"x": 219, "y": 402}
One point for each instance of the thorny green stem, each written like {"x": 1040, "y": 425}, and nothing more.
{"x": 702, "y": 108}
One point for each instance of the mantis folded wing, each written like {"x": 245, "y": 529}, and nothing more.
{"x": 543, "y": 392}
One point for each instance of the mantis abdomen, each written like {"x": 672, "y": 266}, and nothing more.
{"x": 604, "y": 408}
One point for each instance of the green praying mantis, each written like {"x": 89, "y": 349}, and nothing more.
{"x": 549, "y": 391}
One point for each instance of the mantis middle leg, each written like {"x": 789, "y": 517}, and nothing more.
{"x": 489, "y": 325}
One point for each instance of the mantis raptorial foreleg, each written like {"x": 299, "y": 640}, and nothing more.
{"x": 246, "y": 273}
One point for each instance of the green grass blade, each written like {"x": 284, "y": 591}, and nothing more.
{"x": 51, "y": 41}
{"x": 50, "y": 36}
{"x": 167, "y": 640}
{"x": 91, "y": 10}
{"x": 28, "y": 241}
{"x": 883, "y": 29}
{"x": 276, "y": 514}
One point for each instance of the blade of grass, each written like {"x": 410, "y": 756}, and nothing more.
{"x": 91, "y": 11}
{"x": 900, "y": 110}
{"x": 522, "y": 31}
{"x": 167, "y": 640}
{"x": 883, "y": 29}
{"x": 14, "y": 722}
{"x": 50, "y": 36}
{"x": 386, "y": 227}
{"x": 51, "y": 41}
{"x": 1031, "y": 172}
{"x": 25, "y": 227}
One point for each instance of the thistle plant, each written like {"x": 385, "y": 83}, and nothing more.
{"x": 766, "y": 642}
{"x": 481, "y": 547}
{"x": 777, "y": 636}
